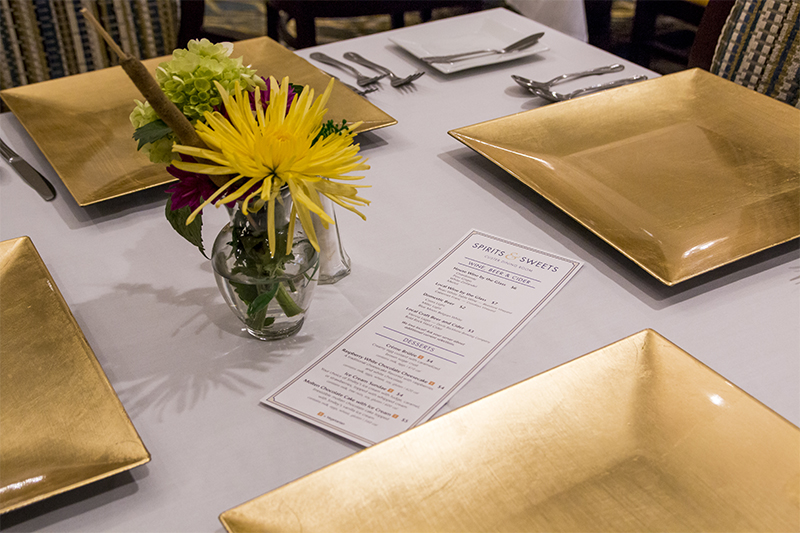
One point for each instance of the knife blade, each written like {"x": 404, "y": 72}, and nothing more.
{"x": 27, "y": 172}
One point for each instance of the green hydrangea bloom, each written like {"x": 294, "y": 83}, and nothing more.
{"x": 187, "y": 79}
{"x": 160, "y": 151}
{"x": 142, "y": 114}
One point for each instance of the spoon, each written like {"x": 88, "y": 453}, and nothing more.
{"x": 545, "y": 85}
{"x": 560, "y": 97}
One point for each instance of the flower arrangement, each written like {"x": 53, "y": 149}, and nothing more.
{"x": 260, "y": 148}
{"x": 261, "y": 135}
{"x": 264, "y": 150}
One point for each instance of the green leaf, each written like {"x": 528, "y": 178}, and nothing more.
{"x": 330, "y": 128}
{"x": 151, "y": 132}
{"x": 262, "y": 301}
{"x": 193, "y": 232}
{"x": 247, "y": 293}
{"x": 251, "y": 250}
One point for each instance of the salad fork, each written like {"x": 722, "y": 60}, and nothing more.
{"x": 546, "y": 85}
{"x": 359, "y": 91}
{"x": 362, "y": 92}
{"x": 396, "y": 81}
{"x": 361, "y": 79}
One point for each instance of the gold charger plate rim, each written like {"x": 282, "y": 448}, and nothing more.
{"x": 133, "y": 172}
{"x": 283, "y": 508}
{"x": 94, "y": 381}
{"x": 472, "y": 138}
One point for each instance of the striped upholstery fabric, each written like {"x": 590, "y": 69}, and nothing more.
{"x": 45, "y": 39}
{"x": 759, "y": 48}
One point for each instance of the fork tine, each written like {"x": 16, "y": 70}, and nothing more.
{"x": 397, "y": 82}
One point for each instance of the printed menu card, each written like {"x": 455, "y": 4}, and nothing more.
{"x": 402, "y": 363}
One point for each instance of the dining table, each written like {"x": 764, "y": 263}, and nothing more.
{"x": 191, "y": 379}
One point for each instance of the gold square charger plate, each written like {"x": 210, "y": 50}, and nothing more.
{"x": 61, "y": 423}
{"x": 682, "y": 174}
{"x": 636, "y": 436}
{"x": 81, "y": 124}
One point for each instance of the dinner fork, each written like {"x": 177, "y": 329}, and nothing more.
{"x": 361, "y": 79}
{"x": 546, "y": 85}
{"x": 516, "y": 46}
{"x": 396, "y": 81}
{"x": 560, "y": 97}
{"x": 357, "y": 90}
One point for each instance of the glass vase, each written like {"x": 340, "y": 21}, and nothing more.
{"x": 334, "y": 263}
{"x": 269, "y": 294}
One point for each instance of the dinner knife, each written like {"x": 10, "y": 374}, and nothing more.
{"x": 27, "y": 172}
{"x": 517, "y": 46}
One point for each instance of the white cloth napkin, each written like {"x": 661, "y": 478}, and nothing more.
{"x": 566, "y": 16}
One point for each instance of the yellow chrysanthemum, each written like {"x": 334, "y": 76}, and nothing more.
{"x": 274, "y": 147}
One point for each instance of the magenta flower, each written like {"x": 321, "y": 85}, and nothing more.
{"x": 190, "y": 190}
{"x": 265, "y": 96}
{"x": 264, "y": 100}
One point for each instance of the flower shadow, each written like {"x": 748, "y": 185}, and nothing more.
{"x": 181, "y": 363}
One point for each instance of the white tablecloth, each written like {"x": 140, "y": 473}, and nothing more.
{"x": 191, "y": 380}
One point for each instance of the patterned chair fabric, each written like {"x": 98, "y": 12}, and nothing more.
{"x": 759, "y": 48}
{"x": 45, "y": 39}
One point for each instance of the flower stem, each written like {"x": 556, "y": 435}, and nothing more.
{"x": 286, "y": 302}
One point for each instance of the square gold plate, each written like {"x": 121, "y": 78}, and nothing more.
{"x": 682, "y": 174}
{"x": 81, "y": 122}
{"x": 636, "y": 436}
{"x": 61, "y": 423}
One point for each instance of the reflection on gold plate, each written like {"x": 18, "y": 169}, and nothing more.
{"x": 682, "y": 174}
{"x": 61, "y": 423}
{"x": 636, "y": 436}
{"x": 81, "y": 123}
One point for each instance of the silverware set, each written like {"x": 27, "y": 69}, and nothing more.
{"x": 544, "y": 89}
{"x": 361, "y": 79}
